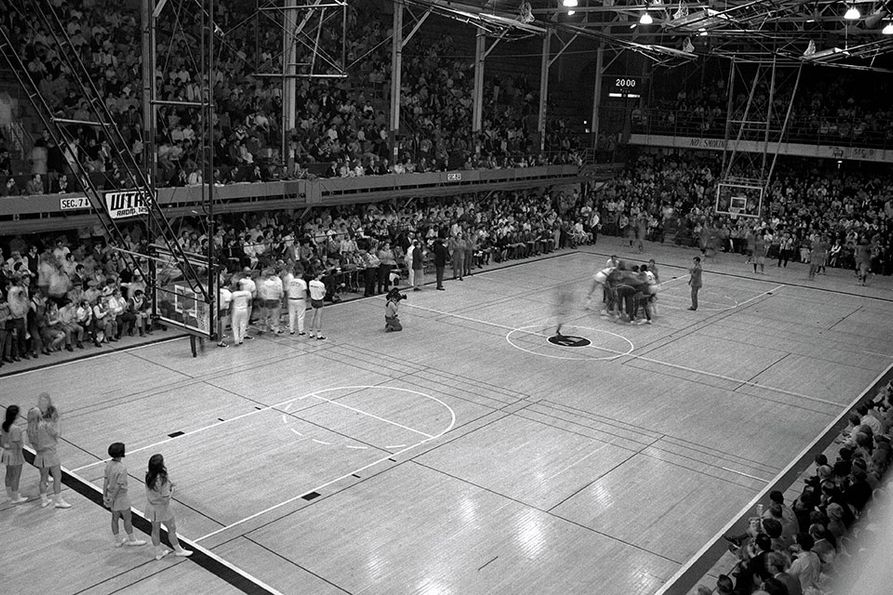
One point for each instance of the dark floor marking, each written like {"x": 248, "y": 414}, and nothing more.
{"x": 175, "y": 434}
{"x": 310, "y": 496}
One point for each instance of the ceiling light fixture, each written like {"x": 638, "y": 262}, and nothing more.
{"x": 571, "y": 13}
{"x": 569, "y": 3}
{"x": 852, "y": 13}
{"x": 888, "y": 30}
{"x": 645, "y": 19}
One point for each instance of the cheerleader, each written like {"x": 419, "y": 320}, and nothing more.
{"x": 159, "y": 490}
{"x": 11, "y": 441}
{"x": 115, "y": 498}
{"x": 43, "y": 432}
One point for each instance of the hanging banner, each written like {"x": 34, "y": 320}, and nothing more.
{"x": 129, "y": 203}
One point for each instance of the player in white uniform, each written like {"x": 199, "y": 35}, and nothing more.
{"x": 317, "y": 294}
{"x": 270, "y": 294}
{"x": 296, "y": 293}
{"x": 251, "y": 287}
{"x": 241, "y": 309}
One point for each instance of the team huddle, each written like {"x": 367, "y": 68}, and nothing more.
{"x": 629, "y": 294}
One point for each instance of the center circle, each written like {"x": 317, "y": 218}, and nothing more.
{"x": 624, "y": 345}
{"x": 569, "y": 341}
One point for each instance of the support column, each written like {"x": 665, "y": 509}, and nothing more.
{"x": 147, "y": 24}
{"x": 597, "y": 94}
{"x": 477, "y": 113}
{"x": 544, "y": 89}
{"x": 289, "y": 81}
{"x": 396, "y": 68}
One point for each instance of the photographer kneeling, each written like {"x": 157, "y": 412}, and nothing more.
{"x": 391, "y": 322}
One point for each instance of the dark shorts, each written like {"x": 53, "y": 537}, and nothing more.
{"x": 316, "y": 304}
{"x": 272, "y": 303}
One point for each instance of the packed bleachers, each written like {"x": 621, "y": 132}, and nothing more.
{"x": 825, "y": 110}
{"x": 804, "y": 544}
{"x": 341, "y": 123}
{"x": 65, "y": 291}
{"x": 808, "y": 215}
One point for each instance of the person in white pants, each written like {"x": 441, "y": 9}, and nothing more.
{"x": 296, "y": 292}
{"x": 224, "y": 298}
{"x": 241, "y": 308}
{"x": 270, "y": 294}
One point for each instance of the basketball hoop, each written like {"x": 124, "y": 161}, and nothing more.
{"x": 733, "y": 213}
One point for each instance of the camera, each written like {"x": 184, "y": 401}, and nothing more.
{"x": 394, "y": 295}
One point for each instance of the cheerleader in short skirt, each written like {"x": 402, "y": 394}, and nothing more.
{"x": 159, "y": 490}
{"x": 12, "y": 457}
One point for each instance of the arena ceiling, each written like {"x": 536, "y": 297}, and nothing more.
{"x": 789, "y": 31}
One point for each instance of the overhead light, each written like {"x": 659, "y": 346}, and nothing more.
{"x": 569, "y": 3}
{"x": 702, "y": 34}
{"x": 645, "y": 19}
{"x": 888, "y": 30}
{"x": 852, "y": 13}
{"x": 571, "y": 13}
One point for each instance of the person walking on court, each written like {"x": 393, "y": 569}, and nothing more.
{"x": 317, "y": 291}
{"x": 241, "y": 309}
{"x": 43, "y": 433}
{"x": 159, "y": 491}
{"x": 440, "y": 257}
{"x": 296, "y": 292}
{"x": 224, "y": 299}
{"x": 695, "y": 281}
{"x": 12, "y": 456}
{"x": 115, "y": 497}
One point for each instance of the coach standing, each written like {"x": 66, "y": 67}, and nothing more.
{"x": 695, "y": 281}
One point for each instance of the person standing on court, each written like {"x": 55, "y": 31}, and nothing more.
{"x": 418, "y": 266}
{"x": 270, "y": 294}
{"x": 159, "y": 491}
{"x": 44, "y": 434}
{"x": 115, "y": 497}
{"x": 241, "y": 309}
{"x": 457, "y": 250}
{"x": 12, "y": 457}
{"x": 695, "y": 281}
{"x": 317, "y": 291}
{"x": 224, "y": 298}
{"x": 388, "y": 263}
{"x": 440, "y": 257}
{"x": 296, "y": 292}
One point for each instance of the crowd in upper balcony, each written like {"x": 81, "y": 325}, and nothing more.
{"x": 341, "y": 123}
{"x": 833, "y": 107}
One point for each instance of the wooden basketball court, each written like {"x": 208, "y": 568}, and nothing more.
{"x": 467, "y": 454}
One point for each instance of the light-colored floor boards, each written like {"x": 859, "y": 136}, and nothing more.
{"x": 465, "y": 454}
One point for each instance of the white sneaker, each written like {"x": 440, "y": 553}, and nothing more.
{"x": 183, "y": 553}
{"x": 120, "y": 542}
{"x": 162, "y": 554}
{"x": 44, "y": 501}
{"x": 134, "y": 542}
{"x": 18, "y": 500}
{"x": 61, "y": 503}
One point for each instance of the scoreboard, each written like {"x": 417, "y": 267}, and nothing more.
{"x": 624, "y": 86}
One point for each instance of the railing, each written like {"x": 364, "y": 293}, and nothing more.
{"x": 846, "y": 132}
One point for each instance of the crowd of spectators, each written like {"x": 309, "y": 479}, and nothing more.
{"x": 807, "y": 214}
{"x": 826, "y": 109}
{"x": 341, "y": 123}
{"x": 799, "y": 547}
{"x": 65, "y": 291}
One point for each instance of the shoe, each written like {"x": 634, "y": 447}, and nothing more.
{"x": 320, "y": 338}
{"x": 69, "y": 348}
{"x": 693, "y": 309}
{"x": 80, "y": 345}
{"x": 162, "y": 554}
{"x": 312, "y": 336}
{"x": 26, "y": 356}
{"x": 44, "y": 501}
{"x": 292, "y": 333}
{"x": 301, "y": 333}
{"x": 648, "y": 322}
{"x": 134, "y": 542}
{"x": 441, "y": 289}
{"x": 183, "y": 553}
{"x": 61, "y": 503}
{"x": 239, "y": 343}
{"x": 120, "y": 542}
{"x": 16, "y": 499}
{"x": 279, "y": 332}
{"x": 416, "y": 288}
{"x": 249, "y": 338}
{"x": 222, "y": 344}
